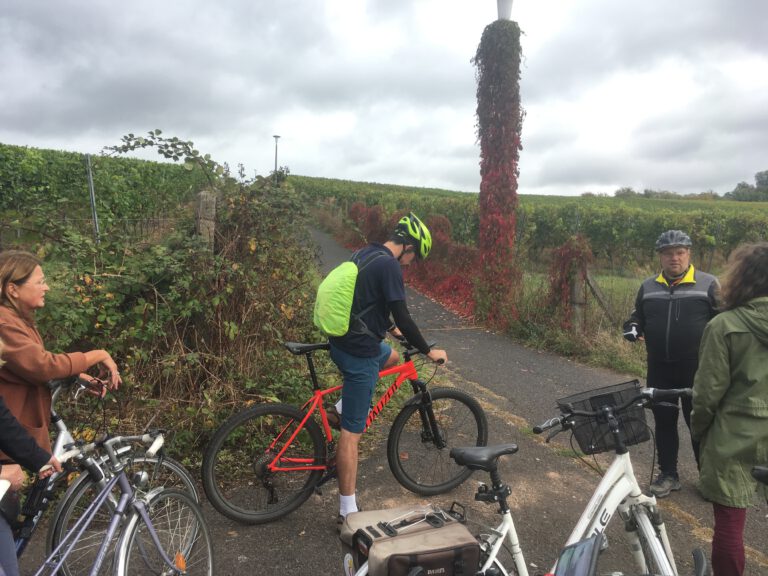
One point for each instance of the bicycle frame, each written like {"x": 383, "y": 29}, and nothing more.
{"x": 405, "y": 371}
{"x": 618, "y": 491}
{"x": 39, "y": 495}
{"x": 126, "y": 501}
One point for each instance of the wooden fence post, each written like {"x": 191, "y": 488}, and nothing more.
{"x": 601, "y": 299}
{"x": 206, "y": 216}
{"x": 578, "y": 299}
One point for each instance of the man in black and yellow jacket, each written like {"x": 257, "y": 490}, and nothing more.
{"x": 671, "y": 311}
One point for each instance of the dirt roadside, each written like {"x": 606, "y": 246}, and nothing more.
{"x": 518, "y": 388}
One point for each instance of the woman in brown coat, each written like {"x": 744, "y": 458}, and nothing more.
{"x": 28, "y": 365}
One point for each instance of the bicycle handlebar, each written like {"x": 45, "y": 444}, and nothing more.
{"x": 155, "y": 439}
{"x": 646, "y": 395}
{"x": 156, "y": 445}
{"x": 549, "y": 424}
{"x": 411, "y": 350}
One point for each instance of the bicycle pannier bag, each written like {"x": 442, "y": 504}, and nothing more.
{"x": 333, "y": 305}
{"x": 397, "y": 540}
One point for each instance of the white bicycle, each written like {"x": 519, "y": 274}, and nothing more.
{"x": 603, "y": 428}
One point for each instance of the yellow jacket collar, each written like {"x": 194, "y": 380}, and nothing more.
{"x": 687, "y": 279}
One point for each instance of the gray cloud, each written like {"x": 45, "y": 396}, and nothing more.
{"x": 388, "y": 94}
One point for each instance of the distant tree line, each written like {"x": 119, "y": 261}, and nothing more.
{"x": 744, "y": 192}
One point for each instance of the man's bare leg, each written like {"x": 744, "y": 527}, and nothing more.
{"x": 346, "y": 465}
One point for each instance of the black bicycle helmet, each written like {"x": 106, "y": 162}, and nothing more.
{"x": 672, "y": 238}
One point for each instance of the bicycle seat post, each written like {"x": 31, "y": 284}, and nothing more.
{"x": 312, "y": 372}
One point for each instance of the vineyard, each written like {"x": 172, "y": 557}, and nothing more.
{"x": 53, "y": 185}
{"x": 620, "y": 231}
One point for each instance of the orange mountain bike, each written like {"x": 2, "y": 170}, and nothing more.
{"x": 266, "y": 460}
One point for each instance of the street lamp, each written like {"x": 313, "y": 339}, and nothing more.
{"x": 276, "y": 137}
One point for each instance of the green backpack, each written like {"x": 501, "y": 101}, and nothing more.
{"x": 333, "y": 306}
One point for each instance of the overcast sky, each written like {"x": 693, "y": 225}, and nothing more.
{"x": 668, "y": 95}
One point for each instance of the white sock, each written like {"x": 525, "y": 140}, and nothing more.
{"x": 338, "y": 406}
{"x": 347, "y": 505}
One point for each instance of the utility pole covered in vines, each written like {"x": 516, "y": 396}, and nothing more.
{"x": 499, "y": 124}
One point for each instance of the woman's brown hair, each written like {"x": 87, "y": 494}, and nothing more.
{"x": 16, "y": 266}
{"x": 747, "y": 275}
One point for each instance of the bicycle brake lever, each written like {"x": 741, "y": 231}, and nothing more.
{"x": 552, "y": 434}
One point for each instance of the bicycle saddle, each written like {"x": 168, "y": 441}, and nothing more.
{"x": 481, "y": 457}
{"x": 297, "y": 348}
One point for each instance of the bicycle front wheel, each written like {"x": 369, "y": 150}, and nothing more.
{"x": 236, "y": 474}
{"x": 656, "y": 561}
{"x": 162, "y": 472}
{"x": 178, "y": 523}
{"x": 418, "y": 459}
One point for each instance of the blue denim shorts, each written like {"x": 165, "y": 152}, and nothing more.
{"x": 360, "y": 376}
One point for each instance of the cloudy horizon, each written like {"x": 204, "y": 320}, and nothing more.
{"x": 646, "y": 95}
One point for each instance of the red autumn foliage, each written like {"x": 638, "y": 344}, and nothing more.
{"x": 499, "y": 124}
{"x": 449, "y": 280}
{"x": 569, "y": 265}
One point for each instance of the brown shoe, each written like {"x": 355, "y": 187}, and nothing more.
{"x": 334, "y": 418}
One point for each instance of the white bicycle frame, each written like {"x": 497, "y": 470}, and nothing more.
{"x": 618, "y": 491}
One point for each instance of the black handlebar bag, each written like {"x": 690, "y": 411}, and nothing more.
{"x": 396, "y": 541}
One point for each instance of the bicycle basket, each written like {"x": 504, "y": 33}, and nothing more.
{"x": 594, "y": 436}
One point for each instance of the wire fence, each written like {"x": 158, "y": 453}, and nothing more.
{"x": 138, "y": 230}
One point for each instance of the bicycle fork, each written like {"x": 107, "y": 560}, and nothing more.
{"x": 631, "y": 528}
{"x": 430, "y": 431}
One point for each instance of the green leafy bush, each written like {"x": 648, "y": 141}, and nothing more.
{"x": 198, "y": 332}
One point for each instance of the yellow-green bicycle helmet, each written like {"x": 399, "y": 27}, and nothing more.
{"x": 413, "y": 231}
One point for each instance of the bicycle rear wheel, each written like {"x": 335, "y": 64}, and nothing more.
{"x": 651, "y": 545}
{"x": 182, "y": 531}
{"x": 162, "y": 472}
{"x": 236, "y": 477}
{"x": 421, "y": 462}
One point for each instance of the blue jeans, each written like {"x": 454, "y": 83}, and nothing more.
{"x": 360, "y": 376}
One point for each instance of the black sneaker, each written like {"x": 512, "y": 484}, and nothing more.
{"x": 663, "y": 485}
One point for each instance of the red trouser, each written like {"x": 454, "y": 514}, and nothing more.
{"x": 728, "y": 541}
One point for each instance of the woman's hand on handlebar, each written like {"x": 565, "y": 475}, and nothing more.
{"x": 438, "y": 356}
{"x": 110, "y": 373}
{"x": 107, "y": 367}
{"x": 95, "y": 386}
{"x": 48, "y": 469}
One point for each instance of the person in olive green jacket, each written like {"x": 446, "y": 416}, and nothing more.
{"x": 730, "y": 403}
